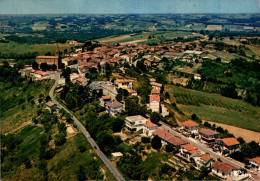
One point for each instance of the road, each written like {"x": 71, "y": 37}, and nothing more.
{"x": 204, "y": 148}
{"x": 109, "y": 165}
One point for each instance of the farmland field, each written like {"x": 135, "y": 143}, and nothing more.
{"x": 216, "y": 108}
{"x": 6, "y": 48}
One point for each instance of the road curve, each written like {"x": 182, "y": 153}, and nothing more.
{"x": 113, "y": 170}
{"x": 205, "y": 149}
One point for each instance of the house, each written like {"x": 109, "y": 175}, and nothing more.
{"x": 135, "y": 123}
{"x": 177, "y": 142}
{"x": 156, "y": 85}
{"x": 95, "y": 88}
{"x": 69, "y": 61}
{"x": 208, "y": 135}
{"x": 152, "y": 80}
{"x": 105, "y": 99}
{"x": 188, "y": 150}
{"x": 80, "y": 80}
{"x": 164, "y": 134}
{"x": 124, "y": 83}
{"x": 154, "y": 103}
{"x": 190, "y": 126}
{"x": 203, "y": 160}
{"x": 40, "y": 75}
{"x": 155, "y": 92}
{"x": 197, "y": 76}
{"x": 116, "y": 155}
{"x": 114, "y": 107}
{"x": 228, "y": 172}
{"x": 51, "y": 106}
{"x": 230, "y": 144}
{"x": 255, "y": 162}
{"x": 131, "y": 92}
{"x": 149, "y": 127}
{"x": 73, "y": 76}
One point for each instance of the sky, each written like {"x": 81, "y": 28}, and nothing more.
{"x": 127, "y": 6}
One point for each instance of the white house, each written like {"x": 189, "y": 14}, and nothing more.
{"x": 116, "y": 155}
{"x": 156, "y": 85}
{"x": 154, "y": 103}
{"x": 197, "y": 76}
{"x": 114, "y": 107}
{"x": 135, "y": 123}
{"x": 203, "y": 160}
{"x": 227, "y": 172}
{"x": 149, "y": 127}
{"x": 190, "y": 126}
{"x": 124, "y": 83}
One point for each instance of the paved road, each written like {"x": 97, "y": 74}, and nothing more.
{"x": 205, "y": 149}
{"x": 114, "y": 171}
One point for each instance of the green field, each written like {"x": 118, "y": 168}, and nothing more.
{"x": 159, "y": 36}
{"x": 213, "y": 107}
{"x": 7, "y": 48}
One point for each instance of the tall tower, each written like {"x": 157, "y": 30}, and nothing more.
{"x": 57, "y": 50}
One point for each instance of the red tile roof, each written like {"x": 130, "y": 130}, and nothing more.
{"x": 155, "y": 91}
{"x": 208, "y": 132}
{"x": 230, "y": 141}
{"x": 189, "y": 147}
{"x": 189, "y": 123}
{"x": 164, "y": 134}
{"x": 206, "y": 158}
{"x": 156, "y": 84}
{"x": 123, "y": 80}
{"x": 176, "y": 141}
{"x": 40, "y": 72}
{"x": 106, "y": 97}
{"x": 224, "y": 167}
{"x": 48, "y": 57}
{"x": 149, "y": 124}
{"x": 114, "y": 104}
{"x": 257, "y": 160}
{"x": 152, "y": 79}
{"x": 50, "y": 103}
{"x": 131, "y": 91}
{"x": 154, "y": 98}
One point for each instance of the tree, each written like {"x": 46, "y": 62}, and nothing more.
{"x": 241, "y": 140}
{"x": 60, "y": 139}
{"x": 119, "y": 97}
{"x": 44, "y": 66}
{"x": 35, "y": 65}
{"x": 218, "y": 60}
{"x": 169, "y": 148}
{"x": 156, "y": 142}
{"x": 53, "y": 67}
{"x": 156, "y": 117}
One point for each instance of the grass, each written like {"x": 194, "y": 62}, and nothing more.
{"x": 21, "y": 113}
{"x": 159, "y": 36}
{"x": 7, "y": 48}
{"x": 216, "y": 108}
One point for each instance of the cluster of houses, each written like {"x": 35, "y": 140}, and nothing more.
{"x": 189, "y": 151}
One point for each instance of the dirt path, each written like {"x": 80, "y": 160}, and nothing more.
{"x": 247, "y": 135}
{"x": 20, "y": 127}
{"x": 134, "y": 41}
{"x": 110, "y": 39}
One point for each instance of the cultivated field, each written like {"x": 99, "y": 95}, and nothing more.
{"x": 216, "y": 108}
{"x": 6, "y": 48}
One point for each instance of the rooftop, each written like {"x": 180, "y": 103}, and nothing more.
{"x": 155, "y": 91}
{"x": 149, "y": 124}
{"x": 50, "y": 103}
{"x": 154, "y": 98}
{"x": 123, "y": 80}
{"x": 257, "y": 160}
{"x": 114, "y": 104}
{"x": 224, "y": 167}
{"x": 189, "y": 123}
{"x": 230, "y": 141}
{"x": 47, "y": 57}
{"x": 106, "y": 97}
{"x": 135, "y": 118}
{"x": 208, "y": 132}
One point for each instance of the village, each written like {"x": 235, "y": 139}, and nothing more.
{"x": 99, "y": 61}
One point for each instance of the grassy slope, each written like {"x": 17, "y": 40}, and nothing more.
{"x": 65, "y": 164}
{"x": 216, "y": 108}
{"x": 6, "y": 48}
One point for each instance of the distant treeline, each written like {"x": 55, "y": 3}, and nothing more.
{"x": 62, "y": 37}
{"x": 24, "y": 56}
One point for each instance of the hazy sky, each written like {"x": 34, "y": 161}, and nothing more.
{"x": 128, "y": 6}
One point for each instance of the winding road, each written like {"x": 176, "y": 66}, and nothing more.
{"x": 109, "y": 165}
